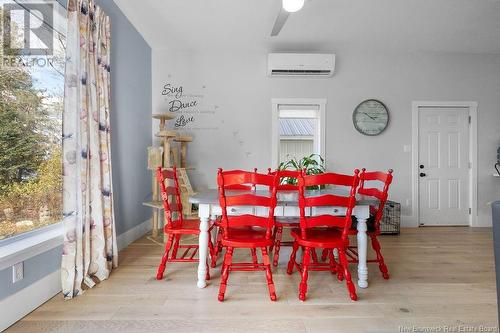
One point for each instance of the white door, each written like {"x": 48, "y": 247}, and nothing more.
{"x": 444, "y": 166}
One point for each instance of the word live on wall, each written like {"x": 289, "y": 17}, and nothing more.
{"x": 192, "y": 110}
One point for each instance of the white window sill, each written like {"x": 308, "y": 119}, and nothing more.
{"x": 22, "y": 247}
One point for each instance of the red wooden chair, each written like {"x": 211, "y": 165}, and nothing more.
{"x": 373, "y": 223}
{"x": 214, "y": 255}
{"x": 283, "y": 222}
{"x": 249, "y": 230}
{"x": 176, "y": 225}
{"x": 325, "y": 230}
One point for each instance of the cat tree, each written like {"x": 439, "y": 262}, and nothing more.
{"x": 167, "y": 155}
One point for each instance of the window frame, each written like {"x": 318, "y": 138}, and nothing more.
{"x": 320, "y": 135}
{"x": 23, "y": 246}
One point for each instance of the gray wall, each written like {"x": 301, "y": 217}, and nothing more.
{"x": 237, "y": 84}
{"x": 35, "y": 268}
{"x": 131, "y": 123}
{"x": 130, "y": 119}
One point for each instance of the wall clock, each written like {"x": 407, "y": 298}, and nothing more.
{"x": 370, "y": 117}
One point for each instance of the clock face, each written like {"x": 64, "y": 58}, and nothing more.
{"x": 370, "y": 117}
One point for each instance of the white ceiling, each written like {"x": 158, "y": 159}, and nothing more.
{"x": 470, "y": 26}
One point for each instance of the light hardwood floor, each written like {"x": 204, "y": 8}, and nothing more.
{"x": 440, "y": 277}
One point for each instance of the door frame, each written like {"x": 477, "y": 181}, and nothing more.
{"x": 472, "y": 106}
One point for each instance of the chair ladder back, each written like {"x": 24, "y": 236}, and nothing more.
{"x": 226, "y": 180}
{"x": 170, "y": 194}
{"x": 241, "y": 187}
{"x": 284, "y": 175}
{"x": 327, "y": 199}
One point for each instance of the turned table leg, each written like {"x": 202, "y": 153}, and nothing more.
{"x": 204, "y": 214}
{"x": 362, "y": 249}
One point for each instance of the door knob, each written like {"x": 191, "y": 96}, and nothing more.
{"x": 421, "y": 166}
{"x": 422, "y": 174}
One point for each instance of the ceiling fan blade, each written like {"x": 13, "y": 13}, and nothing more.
{"x": 280, "y": 22}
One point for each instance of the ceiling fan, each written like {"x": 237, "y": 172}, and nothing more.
{"x": 288, "y": 7}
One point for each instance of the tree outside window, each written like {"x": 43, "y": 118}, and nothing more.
{"x": 31, "y": 106}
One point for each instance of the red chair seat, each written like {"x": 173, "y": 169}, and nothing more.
{"x": 319, "y": 237}
{"x": 287, "y": 221}
{"x": 218, "y": 222}
{"x": 186, "y": 227}
{"x": 247, "y": 237}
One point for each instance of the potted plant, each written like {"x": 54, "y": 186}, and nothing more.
{"x": 313, "y": 164}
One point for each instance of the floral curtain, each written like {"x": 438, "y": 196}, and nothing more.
{"x": 90, "y": 250}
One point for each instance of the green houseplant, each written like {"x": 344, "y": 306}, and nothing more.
{"x": 313, "y": 164}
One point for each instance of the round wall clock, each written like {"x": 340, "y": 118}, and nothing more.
{"x": 370, "y": 117}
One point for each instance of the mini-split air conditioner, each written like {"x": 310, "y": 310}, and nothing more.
{"x": 299, "y": 64}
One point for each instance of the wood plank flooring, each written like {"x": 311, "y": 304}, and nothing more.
{"x": 441, "y": 278}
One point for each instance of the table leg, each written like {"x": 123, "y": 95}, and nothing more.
{"x": 213, "y": 233}
{"x": 203, "y": 212}
{"x": 362, "y": 249}
{"x": 155, "y": 211}
{"x": 154, "y": 232}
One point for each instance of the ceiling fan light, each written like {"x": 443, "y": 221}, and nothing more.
{"x": 293, "y": 6}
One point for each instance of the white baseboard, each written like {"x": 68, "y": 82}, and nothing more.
{"x": 18, "y": 305}
{"x": 133, "y": 234}
{"x": 408, "y": 221}
{"x": 484, "y": 222}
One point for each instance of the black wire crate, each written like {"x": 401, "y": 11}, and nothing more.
{"x": 391, "y": 220}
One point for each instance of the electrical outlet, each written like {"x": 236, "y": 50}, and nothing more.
{"x": 17, "y": 272}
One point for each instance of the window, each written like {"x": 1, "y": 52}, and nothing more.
{"x": 31, "y": 106}
{"x": 298, "y": 129}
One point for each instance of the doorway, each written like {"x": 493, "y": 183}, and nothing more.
{"x": 444, "y": 149}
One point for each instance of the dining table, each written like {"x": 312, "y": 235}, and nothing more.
{"x": 287, "y": 206}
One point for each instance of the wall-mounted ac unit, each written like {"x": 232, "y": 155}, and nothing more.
{"x": 297, "y": 64}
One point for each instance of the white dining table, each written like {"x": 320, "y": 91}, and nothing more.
{"x": 209, "y": 208}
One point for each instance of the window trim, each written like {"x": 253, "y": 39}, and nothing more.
{"x": 24, "y": 246}
{"x": 321, "y": 135}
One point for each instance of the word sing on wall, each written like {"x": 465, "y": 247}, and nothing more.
{"x": 191, "y": 109}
